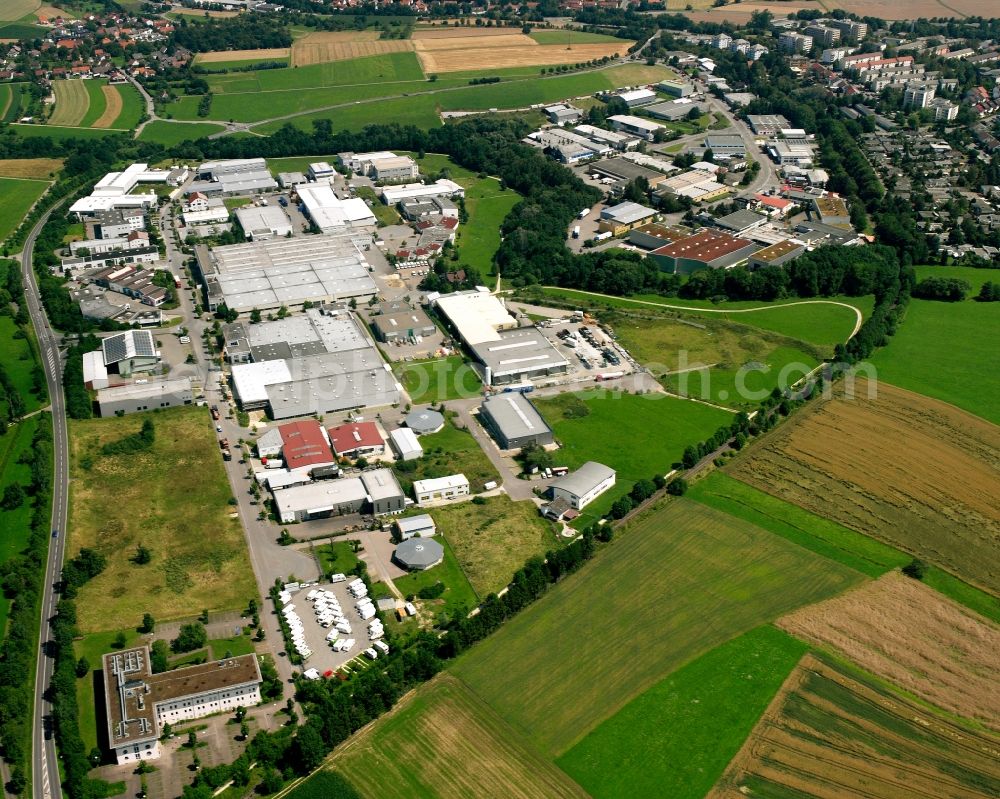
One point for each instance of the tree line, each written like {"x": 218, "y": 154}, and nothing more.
{"x": 245, "y": 32}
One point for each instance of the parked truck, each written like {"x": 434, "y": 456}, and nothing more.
{"x": 576, "y": 232}
{"x": 215, "y": 412}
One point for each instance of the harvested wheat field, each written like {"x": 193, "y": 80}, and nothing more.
{"x": 913, "y": 9}
{"x": 35, "y": 168}
{"x": 325, "y": 46}
{"x": 900, "y": 629}
{"x": 833, "y": 732}
{"x": 112, "y": 110}
{"x": 917, "y": 473}
{"x": 263, "y": 54}
{"x": 426, "y": 34}
{"x": 72, "y": 102}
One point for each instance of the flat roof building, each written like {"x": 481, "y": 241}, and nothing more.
{"x": 138, "y": 703}
{"x": 402, "y": 325}
{"x": 397, "y": 167}
{"x": 331, "y": 214}
{"x": 676, "y": 88}
{"x": 776, "y": 254}
{"x": 383, "y": 492}
{"x": 419, "y": 191}
{"x": 726, "y": 146}
{"x": 234, "y": 176}
{"x": 637, "y": 97}
{"x": 320, "y": 499}
{"x": 624, "y": 217}
{"x": 440, "y": 488}
{"x": 833, "y": 211}
{"x": 513, "y": 421}
{"x": 637, "y": 126}
{"x": 563, "y": 114}
{"x": 262, "y": 222}
{"x": 706, "y": 249}
{"x": 268, "y": 274}
{"x": 624, "y": 170}
{"x": 654, "y": 236}
{"x": 95, "y": 373}
{"x": 740, "y": 222}
{"x": 583, "y": 486}
{"x": 289, "y": 179}
{"x": 767, "y": 124}
{"x": 136, "y": 397}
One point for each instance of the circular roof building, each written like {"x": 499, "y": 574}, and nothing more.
{"x": 424, "y": 421}
{"x": 417, "y": 554}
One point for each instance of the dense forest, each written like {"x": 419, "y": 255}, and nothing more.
{"x": 245, "y": 32}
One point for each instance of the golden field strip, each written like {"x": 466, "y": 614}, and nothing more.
{"x": 241, "y": 55}
{"x": 909, "y": 634}
{"x": 324, "y": 47}
{"x": 12, "y": 10}
{"x": 112, "y": 110}
{"x": 33, "y": 168}
{"x": 912, "y": 471}
{"x": 832, "y": 733}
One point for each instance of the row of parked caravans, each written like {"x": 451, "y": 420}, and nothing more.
{"x": 297, "y": 629}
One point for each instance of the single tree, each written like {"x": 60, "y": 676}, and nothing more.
{"x": 148, "y": 623}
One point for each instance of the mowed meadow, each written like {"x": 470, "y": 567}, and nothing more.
{"x": 95, "y": 104}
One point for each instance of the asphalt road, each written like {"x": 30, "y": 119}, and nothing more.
{"x": 44, "y": 758}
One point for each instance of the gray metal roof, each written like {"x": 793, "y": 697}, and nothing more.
{"x": 419, "y": 552}
{"x": 424, "y": 421}
{"x": 514, "y": 415}
{"x": 381, "y": 484}
{"x": 584, "y": 479}
{"x": 520, "y": 351}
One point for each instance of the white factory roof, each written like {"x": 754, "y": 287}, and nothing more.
{"x": 92, "y": 203}
{"x": 217, "y": 214}
{"x": 154, "y": 388}
{"x": 637, "y": 95}
{"x": 405, "y": 441}
{"x": 93, "y": 367}
{"x": 476, "y": 314}
{"x": 328, "y": 211}
{"x": 321, "y": 168}
{"x": 440, "y": 483}
{"x": 263, "y": 217}
{"x": 320, "y": 496}
{"x": 250, "y": 380}
{"x": 115, "y": 184}
{"x": 635, "y": 122}
{"x": 627, "y": 212}
{"x": 407, "y": 191}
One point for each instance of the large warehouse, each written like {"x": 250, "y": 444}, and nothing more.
{"x": 313, "y": 363}
{"x": 151, "y": 396}
{"x": 507, "y": 352}
{"x": 268, "y": 274}
{"x": 513, "y": 421}
{"x": 331, "y": 214}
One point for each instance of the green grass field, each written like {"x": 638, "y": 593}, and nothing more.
{"x": 493, "y": 540}
{"x": 947, "y": 351}
{"x": 17, "y": 195}
{"x": 450, "y": 451}
{"x": 438, "y": 380}
{"x": 323, "y": 785}
{"x": 171, "y": 133}
{"x": 174, "y": 500}
{"x": 829, "y": 539}
{"x": 974, "y": 277}
{"x": 239, "y": 64}
{"x": 683, "y": 579}
{"x": 133, "y": 108}
{"x": 712, "y": 705}
{"x": 458, "y": 592}
{"x": 337, "y": 557}
{"x": 58, "y": 133}
{"x": 20, "y": 361}
{"x": 442, "y": 741}
{"x": 72, "y": 101}
{"x": 618, "y": 430}
{"x": 11, "y": 101}
{"x": 571, "y": 37}
{"x": 820, "y": 324}
{"x": 96, "y": 104}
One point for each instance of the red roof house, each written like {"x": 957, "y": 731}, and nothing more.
{"x": 357, "y": 439}
{"x": 304, "y": 445}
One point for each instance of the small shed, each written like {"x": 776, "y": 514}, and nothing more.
{"x": 421, "y": 525}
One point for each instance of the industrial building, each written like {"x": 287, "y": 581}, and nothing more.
{"x": 776, "y": 254}
{"x": 303, "y": 446}
{"x": 624, "y": 217}
{"x": 726, "y": 147}
{"x": 405, "y": 444}
{"x": 767, "y": 124}
{"x": 424, "y": 421}
{"x": 138, "y": 703}
{"x": 698, "y": 185}
{"x": 136, "y": 397}
{"x": 636, "y": 126}
{"x": 421, "y": 525}
{"x": 132, "y": 281}
{"x": 321, "y": 171}
{"x": 832, "y": 211}
{"x": 418, "y": 554}
{"x": 625, "y": 171}
{"x": 637, "y": 97}
{"x": 508, "y": 353}
{"x": 563, "y": 114}
{"x": 740, "y": 222}
{"x": 288, "y": 180}
{"x": 440, "y": 488}
{"x": 95, "y": 373}
{"x": 331, "y": 214}
{"x": 676, "y": 88}
{"x": 356, "y": 440}
{"x": 654, "y": 236}
{"x": 133, "y": 240}
{"x": 263, "y": 222}
{"x": 513, "y": 421}
{"x": 791, "y": 152}
{"x": 235, "y": 176}
{"x": 619, "y": 141}
{"x": 313, "y": 363}
{"x": 706, "y": 249}
{"x": 115, "y": 191}
{"x": 673, "y": 111}
{"x": 421, "y": 191}
{"x": 384, "y": 496}
{"x": 583, "y": 486}
{"x": 394, "y": 168}
{"x": 117, "y": 222}
{"x": 402, "y": 325}
{"x": 131, "y": 351}
{"x": 269, "y": 274}
{"x": 375, "y": 490}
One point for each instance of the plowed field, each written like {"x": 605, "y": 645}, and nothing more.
{"x": 910, "y": 470}
{"x": 326, "y": 46}
{"x": 902, "y": 630}
{"x": 831, "y": 734}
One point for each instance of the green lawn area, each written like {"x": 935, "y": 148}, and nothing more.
{"x": 93, "y": 647}
{"x": 385, "y": 68}
{"x": 321, "y": 785}
{"x": 449, "y": 451}
{"x": 232, "y": 203}
{"x": 712, "y": 704}
{"x": 570, "y": 37}
{"x": 12, "y": 98}
{"x": 19, "y": 356}
{"x": 238, "y": 64}
{"x": 493, "y": 540}
{"x": 235, "y": 646}
{"x": 97, "y": 103}
{"x": 947, "y": 351}
{"x": 974, "y": 277}
{"x": 682, "y": 579}
{"x": 17, "y": 195}
{"x": 814, "y": 323}
{"x": 458, "y": 592}
{"x": 297, "y": 163}
{"x": 57, "y": 133}
{"x": 170, "y": 133}
{"x": 174, "y": 500}
{"x": 337, "y": 557}
{"x": 385, "y": 214}
{"x": 439, "y": 379}
{"x": 133, "y": 107}
{"x": 615, "y": 429}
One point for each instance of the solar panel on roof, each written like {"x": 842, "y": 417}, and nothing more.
{"x": 144, "y": 346}
{"x": 115, "y": 349}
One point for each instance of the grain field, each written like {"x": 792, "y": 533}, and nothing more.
{"x": 324, "y": 47}
{"x": 112, "y": 110}
{"x": 32, "y": 168}
{"x": 909, "y": 470}
{"x": 215, "y": 56}
{"x": 72, "y": 102}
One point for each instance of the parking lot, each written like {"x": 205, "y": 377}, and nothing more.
{"x": 316, "y": 636}
{"x": 588, "y": 348}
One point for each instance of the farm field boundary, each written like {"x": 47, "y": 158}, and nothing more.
{"x": 927, "y": 488}
{"x": 685, "y": 579}
{"x": 31, "y": 168}
{"x": 443, "y": 741}
{"x": 324, "y": 47}
{"x": 835, "y": 731}
{"x": 904, "y": 632}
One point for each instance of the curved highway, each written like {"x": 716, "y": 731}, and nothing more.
{"x": 44, "y": 758}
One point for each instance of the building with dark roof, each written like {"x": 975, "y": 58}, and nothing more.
{"x": 513, "y": 421}
{"x": 131, "y": 351}
{"x": 706, "y": 249}
{"x": 740, "y": 222}
{"x": 402, "y": 325}
{"x": 776, "y": 254}
{"x": 418, "y": 554}
{"x": 654, "y": 236}
{"x": 832, "y": 211}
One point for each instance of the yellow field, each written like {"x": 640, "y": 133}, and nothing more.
{"x": 113, "y": 98}
{"x": 34, "y": 168}
{"x": 459, "y": 33}
{"x": 11, "y": 10}
{"x": 241, "y": 55}
{"x": 72, "y": 102}
{"x": 462, "y": 50}
{"x": 325, "y": 46}
{"x": 51, "y": 12}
